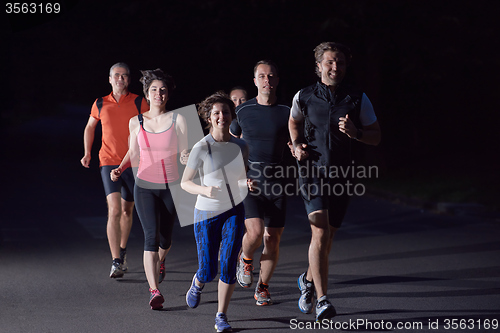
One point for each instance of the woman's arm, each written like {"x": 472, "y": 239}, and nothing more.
{"x": 189, "y": 186}
{"x": 182, "y": 139}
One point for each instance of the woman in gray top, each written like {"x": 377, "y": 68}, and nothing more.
{"x": 220, "y": 160}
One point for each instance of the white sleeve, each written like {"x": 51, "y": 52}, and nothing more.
{"x": 367, "y": 114}
{"x": 295, "y": 110}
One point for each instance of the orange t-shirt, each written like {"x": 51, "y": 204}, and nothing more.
{"x": 115, "y": 117}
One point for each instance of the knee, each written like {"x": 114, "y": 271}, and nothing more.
{"x": 272, "y": 242}
{"x": 126, "y": 213}
{"x": 150, "y": 243}
{"x": 255, "y": 234}
{"x": 127, "y": 209}
{"x": 206, "y": 277}
{"x": 113, "y": 213}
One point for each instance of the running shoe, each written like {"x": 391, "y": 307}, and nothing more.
{"x": 156, "y": 300}
{"x": 324, "y": 309}
{"x": 162, "y": 271}
{"x": 123, "y": 257}
{"x": 306, "y": 294}
{"x": 262, "y": 296}
{"x": 244, "y": 273}
{"x": 193, "y": 295}
{"x": 221, "y": 324}
{"x": 116, "y": 269}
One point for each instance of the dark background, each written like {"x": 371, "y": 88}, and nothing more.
{"x": 430, "y": 68}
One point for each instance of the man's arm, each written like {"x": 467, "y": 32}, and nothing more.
{"x": 235, "y": 129}
{"x": 369, "y": 135}
{"x": 88, "y": 140}
{"x": 296, "y": 128}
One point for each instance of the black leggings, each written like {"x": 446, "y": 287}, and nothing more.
{"x": 156, "y": 211}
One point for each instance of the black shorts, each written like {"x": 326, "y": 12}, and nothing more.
{"x": 323, "y": 193}
{"x": 271, "y": 210}
{"x": 268, "y": 202}
{"x": 124, "y": 184}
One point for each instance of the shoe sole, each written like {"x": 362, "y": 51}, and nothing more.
{"x": 117, "y": 275}
{"x": 224, "y": 330}
{"x": 157, "y": 303}
{"x": 262, "y": 303}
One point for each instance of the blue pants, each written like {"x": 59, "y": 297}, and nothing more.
{"x": 226, "y": 230}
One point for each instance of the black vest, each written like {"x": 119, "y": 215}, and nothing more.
{"x": 322, "y": 109}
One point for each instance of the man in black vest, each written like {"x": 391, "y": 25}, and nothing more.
{"x": 325, "y": 121}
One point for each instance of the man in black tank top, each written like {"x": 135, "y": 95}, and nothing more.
{"x": 325, "y": 121}
{"x": 264, "y": 126}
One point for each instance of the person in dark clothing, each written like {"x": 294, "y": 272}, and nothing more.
{"x": 325, "y": 120}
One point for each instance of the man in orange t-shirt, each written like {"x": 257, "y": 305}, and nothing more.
{"x": 114, "y": 111}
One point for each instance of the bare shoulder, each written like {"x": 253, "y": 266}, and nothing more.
{"x": 133, "y": 124}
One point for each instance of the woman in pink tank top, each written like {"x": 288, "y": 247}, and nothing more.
{"x": 157, "y": 138}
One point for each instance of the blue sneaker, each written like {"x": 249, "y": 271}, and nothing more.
{"x": 193, "y": 295}
{"x": 221, "y": 324}
{"x": 306, "y": 288}
{"x": 324, "y": 309}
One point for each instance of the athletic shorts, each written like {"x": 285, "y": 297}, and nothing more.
{"x": 268, "y": 201}
{"x": 124, "y": 184}
{"x": 271, "y": 210}
{"x": 321, "y": 193}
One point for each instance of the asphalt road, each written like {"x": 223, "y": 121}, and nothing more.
{"x": 392, "y": 267}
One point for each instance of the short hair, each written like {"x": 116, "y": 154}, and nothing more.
{"x": 205, "y": 107}
{"x": 238, "y": 88}
{"x": 320, "y": 50}
{"x": 266, "y": 62}
{"x": 148, "y": 76}
{"x": 119, "y": 64}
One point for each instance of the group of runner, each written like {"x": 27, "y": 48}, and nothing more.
{"x": 239, "y": 156}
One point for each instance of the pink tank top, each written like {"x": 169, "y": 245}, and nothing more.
{"x": 158, "y": 154}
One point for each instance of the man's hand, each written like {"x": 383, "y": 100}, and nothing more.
{"x": 115, "y": 174}
{"x": 347, "y": 127}
{"x": 300, "y": 152}
{"x": 252, "y": 185}
{"x": 85, "y": 161}
{"x": 290, "y": 146}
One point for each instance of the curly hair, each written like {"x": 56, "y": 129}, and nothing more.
{"x": 205, "y": 107}
{"x": 148, "y": 76}
{"x": 320, "y": 50}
